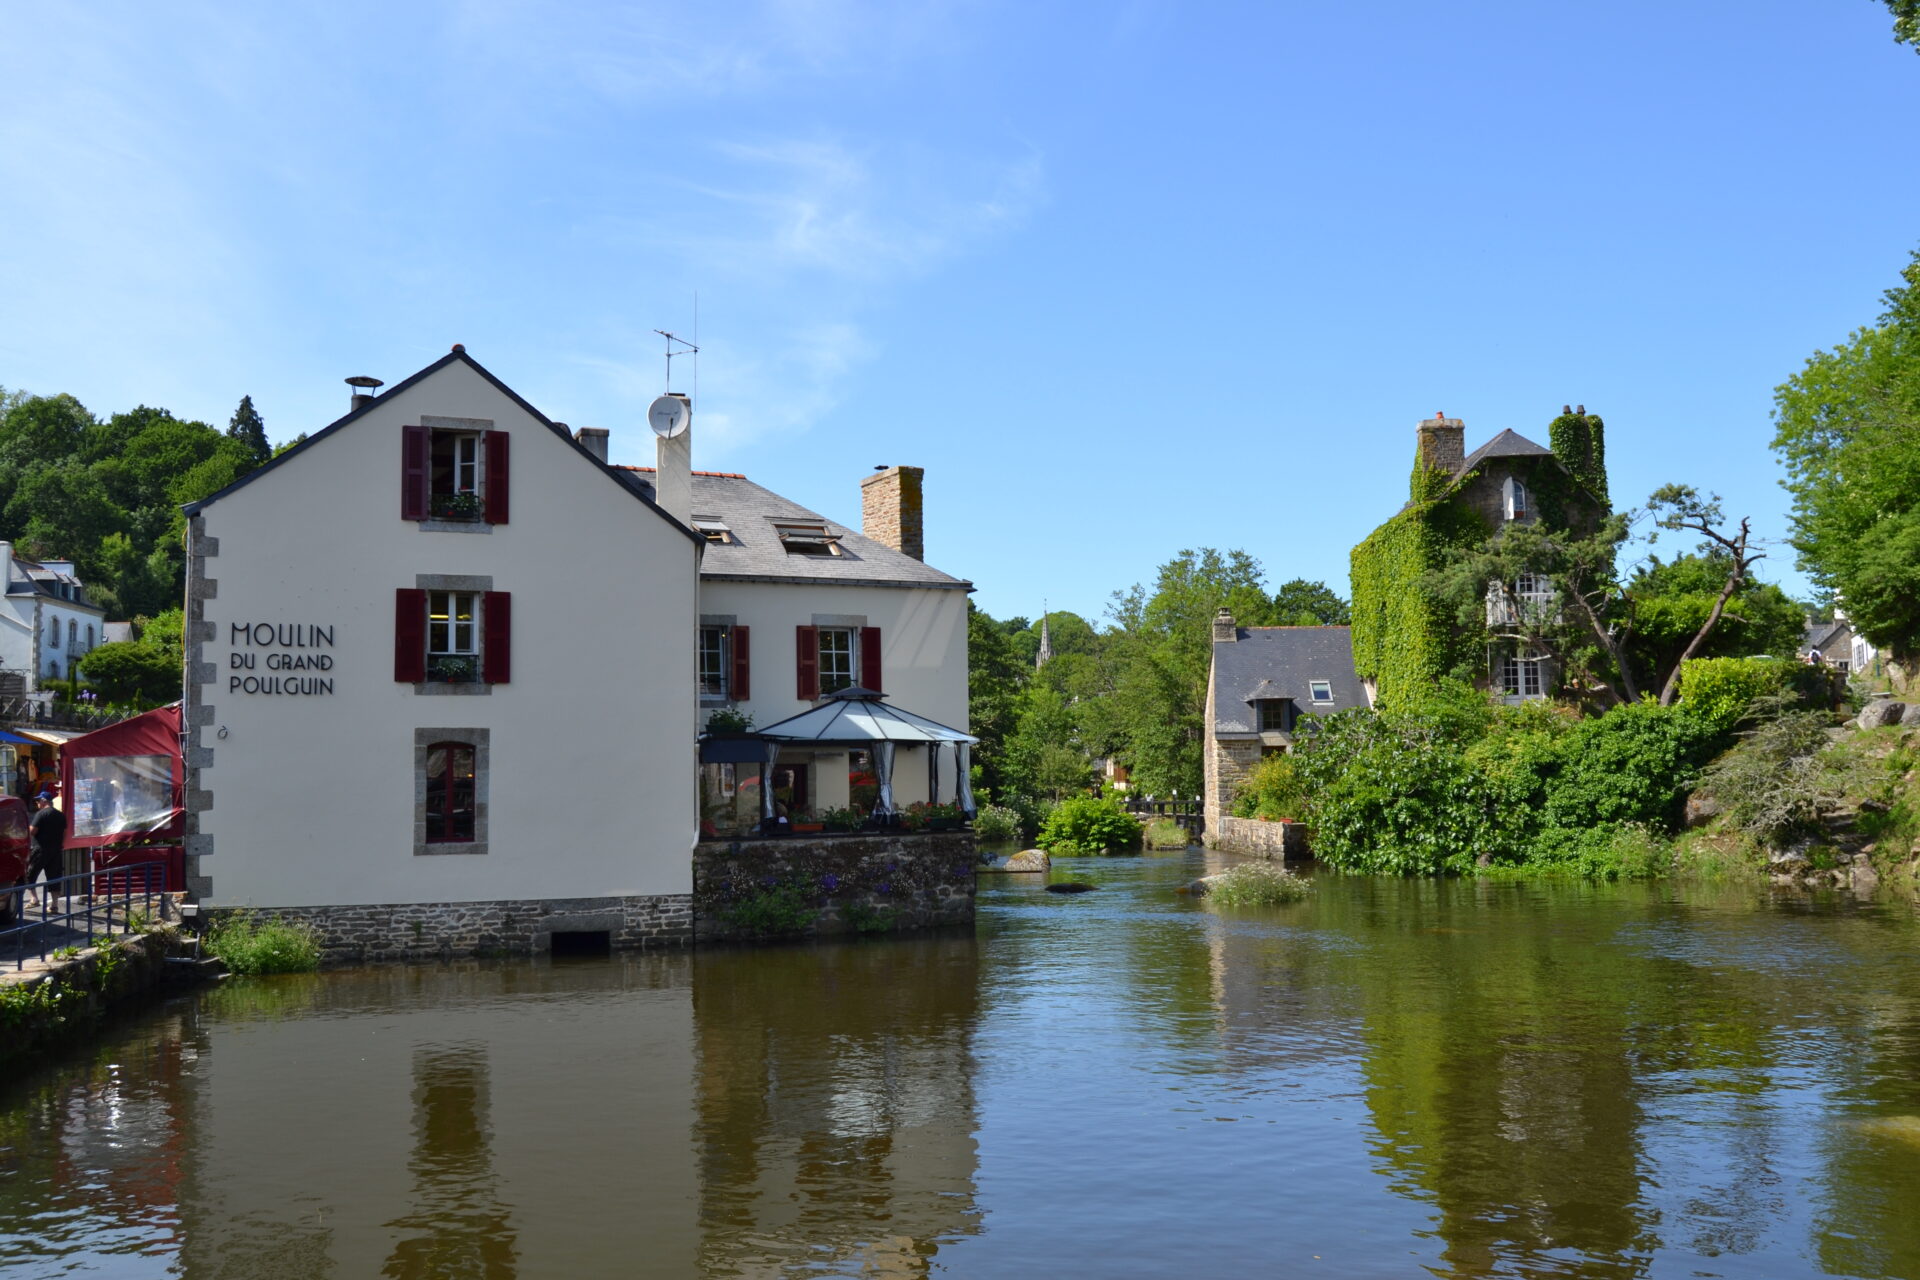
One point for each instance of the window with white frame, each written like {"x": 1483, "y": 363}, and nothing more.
{"x": 1520, "y": 676}
{"x": 836, "y": 658}
{"x": 453, "y": 635}
{"x": 1321, "y": 690}
{"x": 713, "y": 662}
{"x": 1518, "y": 501}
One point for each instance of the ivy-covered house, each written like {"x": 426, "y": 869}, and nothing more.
{"x": 1403, "y": 636}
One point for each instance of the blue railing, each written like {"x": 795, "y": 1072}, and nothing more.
{"x": 101, "y": 903}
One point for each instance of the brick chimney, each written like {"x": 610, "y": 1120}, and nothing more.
{"x": 1443, "y": 443}
{"x": 890, "y": 509}
{"x": 1223, "y": 628}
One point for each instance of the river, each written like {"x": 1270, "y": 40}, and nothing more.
{"x": 1393, "y": 1078}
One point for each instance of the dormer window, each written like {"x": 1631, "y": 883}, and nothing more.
{"x": 713, "y": 530}
{"x": 1321, "y": 690}
{"x": 1276, "y": 715}
{"x": 806, "y": 538}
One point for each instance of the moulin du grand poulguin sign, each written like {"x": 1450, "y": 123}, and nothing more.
{"x": 287, "y": 658}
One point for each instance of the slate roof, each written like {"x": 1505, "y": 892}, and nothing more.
{"x": 1281, "y": 662}
{"x": 755, "y": 553}
{"x": 31, "y": 578}
{"x": 1508, "y": 444}
{"x": 1827, "y": 637}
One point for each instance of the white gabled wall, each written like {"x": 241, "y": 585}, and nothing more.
{"x": 592, "y": 742}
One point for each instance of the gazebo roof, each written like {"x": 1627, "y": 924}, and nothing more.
{"x": 859, "y": 715}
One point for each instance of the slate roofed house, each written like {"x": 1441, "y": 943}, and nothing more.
{"x": 1262, "y": 681}
{"x": 795, "y": 606}
{"x": 1838, "y": 645}
{"x": 48, "y": 623}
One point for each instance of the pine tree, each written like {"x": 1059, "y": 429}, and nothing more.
{"x": 250, "y": 431}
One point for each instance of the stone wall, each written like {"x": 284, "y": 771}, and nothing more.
{"x": 1277, "y": 841}
{"x": 891, "y": 509}
{"x": 1229, "y": 762}
{"x": 442, "y": 930}
{"x": 826, "y": 885}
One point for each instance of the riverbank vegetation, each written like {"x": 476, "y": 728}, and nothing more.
{"x": 1256, "y": 884}
{"x": 251, "y": 944}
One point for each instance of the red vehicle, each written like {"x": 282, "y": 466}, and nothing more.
{"x": 15, "y": 849}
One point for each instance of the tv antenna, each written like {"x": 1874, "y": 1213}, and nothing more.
{"x": 672, "y": 338}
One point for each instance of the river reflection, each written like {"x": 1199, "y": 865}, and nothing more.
{"x": 1393, "y": 1078}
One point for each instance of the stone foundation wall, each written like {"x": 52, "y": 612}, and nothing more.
{"x": 1229, "y": 763}
{"x": 442, "y": 930}
{"x": 832, "y": 885}
{"x": 1277, "y": 841}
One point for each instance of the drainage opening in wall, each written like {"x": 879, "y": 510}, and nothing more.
{"x": 584, "y": 942}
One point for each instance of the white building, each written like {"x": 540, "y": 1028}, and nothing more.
{"x": 364, "y": 748}
{"x": 794, "y": 605}
{"x": 47, "y": 624}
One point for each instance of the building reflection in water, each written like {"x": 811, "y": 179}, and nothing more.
{"x": 836, "y": 1116}
{"x": 457, "y": 1225}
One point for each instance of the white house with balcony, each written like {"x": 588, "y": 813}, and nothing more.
{"x": 47, "y": 623}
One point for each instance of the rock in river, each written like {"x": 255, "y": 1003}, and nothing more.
{"x": 1072, "y": 886}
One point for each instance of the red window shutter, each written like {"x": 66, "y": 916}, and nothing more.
{"x": 415, "y": 451}
{"x": 806, "y": 648}
{"x": 740, "y": 688}
{"x": 496, "y": 641}
{"x": 496, "y": 496}
{"x": 409, "y": 635}
{"x": 870, "y": 659}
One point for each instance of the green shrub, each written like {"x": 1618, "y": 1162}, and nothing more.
{"x": 1722, "y": 689}
{"x": 1614, "y": 851}
{"x": 1256, "y": 884}
{"x": 996, "y": 822}
{"x": 865, "y": 919}
{"x": 1634, "y": 764}
{"x": 1165, "y": 833}
{"x": 1272, "y": 791}
{"x": 778, "y": 910}
{"x": 247, "y": 943}
{"x": 1088, "y": 825}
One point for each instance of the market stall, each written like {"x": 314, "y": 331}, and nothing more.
{"x": 121, "y": 788}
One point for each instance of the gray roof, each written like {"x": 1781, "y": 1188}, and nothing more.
{"x": 754, "y": 550}
{"x": 1508, "y": 444}
{"x": 1282, "y": 662}
{"x": 1826, "y": 636}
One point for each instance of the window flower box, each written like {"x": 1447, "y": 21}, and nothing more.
{"x": 457, "y": 506}
{"x": 453, "y": 670}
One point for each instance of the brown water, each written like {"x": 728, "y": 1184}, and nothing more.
{"x": 1396, "y": 1078}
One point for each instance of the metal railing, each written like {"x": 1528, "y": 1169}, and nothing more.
{"x": 32, "y": 712}
{"x": 102, "y": 902}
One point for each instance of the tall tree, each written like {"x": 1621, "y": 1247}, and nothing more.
{"x": 247, "y": 428}
{"x": 1300, "y": 603}
{"x": 1848, "y": 434}
{"x": 1906, "y": 21}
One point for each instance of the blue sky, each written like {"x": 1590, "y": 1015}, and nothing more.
{"x": 1125, "y": 278}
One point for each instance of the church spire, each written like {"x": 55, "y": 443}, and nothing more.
{"x": 1046, "y": 640}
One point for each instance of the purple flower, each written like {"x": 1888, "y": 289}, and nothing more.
{"x": 830, "y": 883}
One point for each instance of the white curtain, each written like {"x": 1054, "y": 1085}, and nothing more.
{"x": 766, "y": 781}
{"x": 963, "y": 757}
{"x": 883, "y": 774}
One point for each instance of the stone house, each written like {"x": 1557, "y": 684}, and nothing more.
{"x": 1456, "y": 497}
{"x": 1838, "y": 645}
{"x": 1261, "y": 682}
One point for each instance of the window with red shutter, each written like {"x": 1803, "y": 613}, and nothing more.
{"x": 496, "y": 648}
{"x": 409, "y": 635}
{"x": 496, "y": 477}
{"x": 414, "y": 452}
{"x": 806, "y": 647}
{"x": 741, "y": 687}
{"x": 870, "y": 659}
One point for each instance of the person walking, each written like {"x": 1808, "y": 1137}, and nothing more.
{"x": 49, "y": 847}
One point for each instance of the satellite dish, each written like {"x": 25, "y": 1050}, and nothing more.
{"x": 669, "y": 416}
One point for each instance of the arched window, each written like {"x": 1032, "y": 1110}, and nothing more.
{"x": 73, "y": 634}
{"x": 450, "y": 793}
{"x": 53, "y": 634}
{"x": 89, "y": 635}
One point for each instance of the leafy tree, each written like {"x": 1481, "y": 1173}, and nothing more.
{"x": 995, "y": 677}
{"x": 248, "y": 430}
{"x": 1848, "y": 433}
{"x": 1671, "y": 601}
{"x": 1045, "y": 756}
{"x": 125, "y": 671}
{"x": 285, "y": 445}
{"x": 1300, "y": 603}
{"x": 1906, "y": 22}
{"x": 65, "y": 512}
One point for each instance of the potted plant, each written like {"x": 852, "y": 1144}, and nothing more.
{"x": 943, "y": 817}
{"x": 842, "y": 821}
{"x": 729, "y": 720}
{"x": 457, "y": 506}
{"x": 453, "y": 669}
{"x": 807, "y": 823}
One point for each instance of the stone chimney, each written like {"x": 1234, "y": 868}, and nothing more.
{"x": 673, "y": 474}
{"x": 1443, "y": 443}
{"x": 1223, "y": 627}
{"x": 890, "y": 509}
{"x": 593, "y": 440}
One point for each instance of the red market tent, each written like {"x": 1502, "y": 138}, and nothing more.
{"x": 122, "y": 788}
